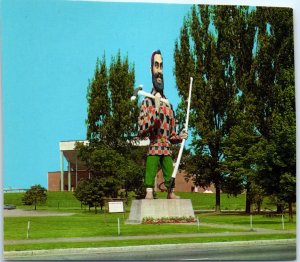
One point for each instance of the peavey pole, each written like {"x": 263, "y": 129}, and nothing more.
{"x": 172, "y": 180}
{"x": 139, "y": 91}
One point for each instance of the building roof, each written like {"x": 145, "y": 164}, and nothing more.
{"x": 71, "y": 154}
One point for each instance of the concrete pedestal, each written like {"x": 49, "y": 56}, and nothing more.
{"x": 159, "y": 208}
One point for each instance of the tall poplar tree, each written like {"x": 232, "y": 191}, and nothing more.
{"x": 243, "y": 102}
{"x": 98, "y": 112}
{"x": 123, "y": 112}
{"x": 275, "y": 93}
{"x": 238, "y": 161}
{"x": 204, "y": 52}
{"x": 111, "y": 126}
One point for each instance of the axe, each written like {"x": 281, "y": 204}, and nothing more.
{"x": 139, "y": 91}
{"x": 172, "y": 180}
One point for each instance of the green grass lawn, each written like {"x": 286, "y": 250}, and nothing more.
{"x": 55, "y": 200}
{"x": 202, "y": 201}
{"x": 91, "y": 225}
{"x": 83, "y": 223}
{"x": 240, "y": 219}
{"x": 97, "y": 225}
{"x": 67, "y": 201}
{"x": 120, "y": 243}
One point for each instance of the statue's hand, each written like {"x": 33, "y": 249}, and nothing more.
{"x": 184, "y": 135}
{"x": 157, "y": 99}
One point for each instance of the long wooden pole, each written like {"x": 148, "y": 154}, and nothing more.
{"x": 172, "y": 180}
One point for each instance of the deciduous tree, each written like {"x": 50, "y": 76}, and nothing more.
{"x": 35, "y": 195}
{"x": 111, "y": 124}
{"x": 243, "y": 105}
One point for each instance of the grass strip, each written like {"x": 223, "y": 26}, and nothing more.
{"x": 93, "y": 226}
{"x": 139, "y": 242}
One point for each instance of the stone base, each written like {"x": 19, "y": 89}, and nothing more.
{"x": 159, "y": 208}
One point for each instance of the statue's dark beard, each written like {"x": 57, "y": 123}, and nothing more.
{"x": 159, "y": 87}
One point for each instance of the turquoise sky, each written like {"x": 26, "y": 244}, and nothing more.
{"x": 49, "y": 51}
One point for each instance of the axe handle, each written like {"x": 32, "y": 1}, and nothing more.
{"x": 172, "y": 181}
{"x": 143, "y": 93}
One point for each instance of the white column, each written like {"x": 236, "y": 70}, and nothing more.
{"x": 61, "y": 171}
{"x": 69, "y": 176}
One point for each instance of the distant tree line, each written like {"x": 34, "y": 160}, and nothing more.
{"x": 243, "y": 103}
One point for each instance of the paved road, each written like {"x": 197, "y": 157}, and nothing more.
{"x": 241, "y": 250}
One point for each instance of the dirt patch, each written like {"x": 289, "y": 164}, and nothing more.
{"x": 32, "y": 213}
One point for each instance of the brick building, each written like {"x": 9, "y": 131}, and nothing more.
{"x": 67, "y": 180}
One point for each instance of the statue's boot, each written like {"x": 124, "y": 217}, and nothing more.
{"x": 149, "y": 193}
{"x": 172, "y": 195}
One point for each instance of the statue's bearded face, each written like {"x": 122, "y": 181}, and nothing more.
{"x": 157, "y": 73}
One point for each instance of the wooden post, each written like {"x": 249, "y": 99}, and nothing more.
{"x": 118, "y": 226}
{"x": 28, "y": 228}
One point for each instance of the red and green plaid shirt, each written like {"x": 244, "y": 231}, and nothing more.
{"x": 159, "y": 127}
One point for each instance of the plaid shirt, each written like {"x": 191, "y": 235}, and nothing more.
{"x": 159, "y": 127}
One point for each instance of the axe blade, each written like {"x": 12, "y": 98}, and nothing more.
{"x": 135, "y": 92}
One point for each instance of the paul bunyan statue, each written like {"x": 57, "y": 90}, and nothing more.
{"x": 157, "y": 122}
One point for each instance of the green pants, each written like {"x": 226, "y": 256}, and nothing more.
{"x": 151, "y": 169}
